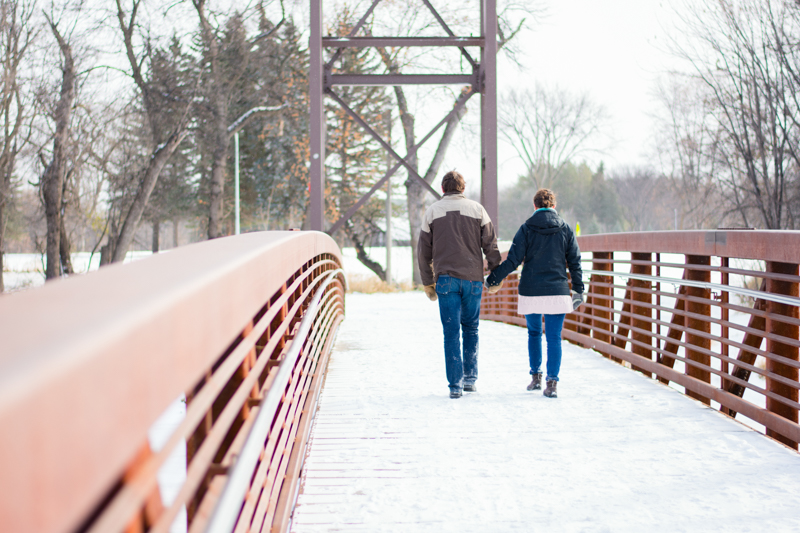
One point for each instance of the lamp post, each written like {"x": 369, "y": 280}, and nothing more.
{"x": 236, "y": 180}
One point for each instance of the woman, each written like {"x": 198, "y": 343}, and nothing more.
{"x": 547, "y": 247}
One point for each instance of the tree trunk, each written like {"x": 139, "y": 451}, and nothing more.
{"x": 52, "y": 181}
{"x": 361, "y": 253}
{"x": 64, "y": 250}
{"x": 156, "y": 231}
{"x": 2, "y": 234}
{"x": 6, "y": 166}
{"x": 175, "y": 228}
{"x": 143, "y": 192}
{"x": 218, "y": 167}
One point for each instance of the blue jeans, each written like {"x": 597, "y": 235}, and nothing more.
{"x": 552, "y": 332}
{"x": 460, "y": 308}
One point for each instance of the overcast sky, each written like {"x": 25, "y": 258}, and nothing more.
{"x": 612, "y": 49}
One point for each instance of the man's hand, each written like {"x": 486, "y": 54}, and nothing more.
{"x": 430, "y": 292}
{"x": 492, "y": 289}
{"x": 577, "y": 300}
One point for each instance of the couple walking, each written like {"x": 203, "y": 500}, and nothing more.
{"x": 454, "y": 232}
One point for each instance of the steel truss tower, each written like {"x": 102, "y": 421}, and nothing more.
{"x": 323, "y": 82}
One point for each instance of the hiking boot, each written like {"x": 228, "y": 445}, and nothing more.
{"x": 550, "y": 391}
{"x": 470, "y": 387}
{"x": 455, "y": 393}
{"x": 536, "y": 382}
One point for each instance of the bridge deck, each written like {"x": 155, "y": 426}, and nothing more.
{"x": 616, "y": 452}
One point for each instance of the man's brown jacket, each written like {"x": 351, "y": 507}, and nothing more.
{"x": 454, "y": 231}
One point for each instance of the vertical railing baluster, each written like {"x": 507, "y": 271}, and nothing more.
{"x": 603, "y": 297}
{"x": 695, "y": 324}
{"x": 774, "y": 346}
{"x": 643, "y": 295}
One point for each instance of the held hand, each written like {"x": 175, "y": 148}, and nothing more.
{"x": 492, "y": 289}
{"x": 577, "y": 300}
{"x": 430, "y": 292}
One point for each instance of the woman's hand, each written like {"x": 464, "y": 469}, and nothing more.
{"x": 492, "y": 289}
{"x": 577, "y": 300}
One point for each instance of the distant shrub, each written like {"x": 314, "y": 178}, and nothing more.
{"x": 370, "y": 284}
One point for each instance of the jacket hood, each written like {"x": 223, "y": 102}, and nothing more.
{"x": 545, "y": 221}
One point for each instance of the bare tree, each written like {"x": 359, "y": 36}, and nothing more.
{"x": 55, "y": 172}
{"x": 16, "y": 35}
{"x": 750, "y": 127}
{"x": 549, "y": 128}
{"x": 165, "y": 132}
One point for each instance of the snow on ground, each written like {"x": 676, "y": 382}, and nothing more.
{"x": 26, "y": 271}
{"x": 615, "y": 452}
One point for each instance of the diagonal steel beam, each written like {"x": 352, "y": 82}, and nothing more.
{"x": 411, "y": 171}
{"x": 352, "y": 33}
{"x": 450, "y": 32}
{"x": 355, "y": 207}
{"x": 384, "y": 42}
{"x": 384, "y": 80}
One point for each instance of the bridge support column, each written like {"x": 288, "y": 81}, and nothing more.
{"x": 694, "y": 324}
{"x": 642, "y": 292}
{"x": 316, "y": 81}
{"x": 777, "y": 327}
{"x": 488, "y": 84}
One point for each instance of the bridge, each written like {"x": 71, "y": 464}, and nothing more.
{"x": 678, "y": 408}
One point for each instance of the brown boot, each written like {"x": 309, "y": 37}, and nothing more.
{"x": 536, "y": 382}
{"x": 550, "y": 391}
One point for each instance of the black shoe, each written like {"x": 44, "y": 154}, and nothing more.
{"x": 550, "y": 391}
{"x": 536, "y": 382}
{"x": 455, "y": 393}
{"x": 470, "y": 387}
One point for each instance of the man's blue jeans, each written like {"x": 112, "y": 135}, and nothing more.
{"x": 552, "y": 332}
{"x": 460, "y": 309}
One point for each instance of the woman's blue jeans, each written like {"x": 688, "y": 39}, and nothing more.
{"x": 460, "y": 309}
{"x": 552, "y": 332}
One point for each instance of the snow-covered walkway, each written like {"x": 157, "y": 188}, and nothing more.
{"x": 615, "y": 452}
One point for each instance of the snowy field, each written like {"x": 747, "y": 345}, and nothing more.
{"x": 24, "y": 271}
{"x": 615, "y": 452}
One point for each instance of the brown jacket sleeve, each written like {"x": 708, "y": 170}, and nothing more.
{"x": 425, "y": 254}
{"x": 489, "y": 245}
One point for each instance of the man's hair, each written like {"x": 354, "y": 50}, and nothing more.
{"x": 544, "y": 198}
{"x": 453, "y": 182}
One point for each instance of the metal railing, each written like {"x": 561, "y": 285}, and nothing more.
{"x": 242, "y": 327}
{"x": 712, "y": 312}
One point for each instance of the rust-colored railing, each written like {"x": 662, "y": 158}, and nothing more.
{"x": 240, "y": 328}
{"x": 714, "y": 312}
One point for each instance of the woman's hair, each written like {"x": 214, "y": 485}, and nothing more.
{"x": 453, "y": 182}
{"x": 544, "y": 198}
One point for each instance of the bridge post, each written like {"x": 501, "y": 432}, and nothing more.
{"x": 777, "y": 327}
{"x": 602, "y": 296}
{"x": 488, "y": 87}
{"x": 316, "y": 81}
{"x": 697, "y": 324}
{"x": 643, "y": 295}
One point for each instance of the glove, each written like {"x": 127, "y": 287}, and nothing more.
{"x": 577, "y": 300}
{"x": 492, "y": 289}
{"x": 430, "y": 292}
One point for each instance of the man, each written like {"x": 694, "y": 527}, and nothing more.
{"x": 454, "y": 231}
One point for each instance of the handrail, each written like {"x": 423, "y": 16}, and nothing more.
{"x": 786, "y": 300}
{"x": 696, "y": 333}
{"x": 227, "y": 510}
{"x": 90, "y": 362}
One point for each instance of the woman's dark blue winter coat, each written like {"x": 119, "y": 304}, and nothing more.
{"x": 547, "y": 246}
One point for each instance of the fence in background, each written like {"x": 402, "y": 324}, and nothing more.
{"x": 714, "y": 312}
{"x": 240, "y": 328}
